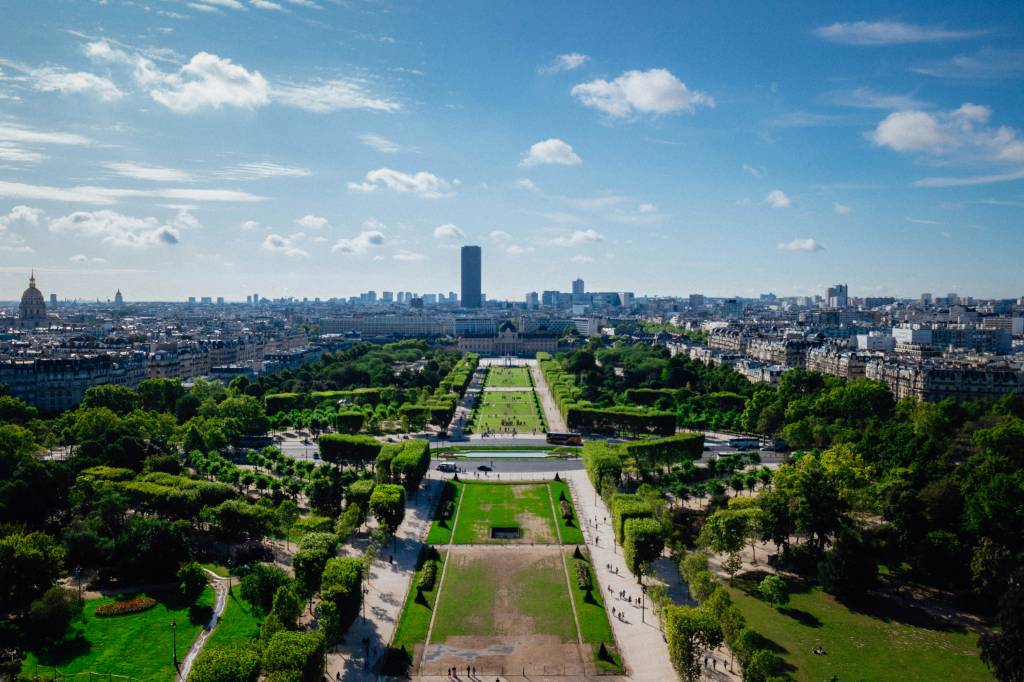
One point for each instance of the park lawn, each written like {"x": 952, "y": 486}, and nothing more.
{"x": 136, "y": 645}
{"x": 441, "y": 530}
{"x": 569, "y": 529}
{"x": 517, "y": 407}
{"x": 415, "y": 621}
{"x": 238, "y": 625}
{"x": 484, "y": 595}
{"x": 859, "y": 646}
{"x": 522, "y": 505}
{"x": 508, "y": 377}
{"x": 219, "y": 569}
{"x": 595, "y": 628}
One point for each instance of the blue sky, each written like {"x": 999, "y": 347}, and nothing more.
{"x": 322, "y": 148}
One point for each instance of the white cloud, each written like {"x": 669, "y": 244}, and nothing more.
{"x": 551, "y": 151}
{"x": 422, "y": 184}
{"x": 408, "y": 256}
{"x": 448, "y": 231}
{"x": 250, "y": 225}
{"x": 647, "y": 208}
{"x": 261, "y": 170}
{"x": 56, "y": 79}
{"x": 359, "y": 244}
{"x": 21, "y": 214}
{"x": 516, "y": 250}
{"x": 777, "y": 199}
{"x": 565, "y": 62}
{"x": 17, "y": 133}
{"x": 333, "y": 95}
{"x": 265, "y": 4}
{"x": 986, "y": 64}
{"x": 79, "y": 258}
{"x": 922, "y": 221}
{"x": 139, "y": 171}
{"x": 875, "y": 33}
{"x": 500, "y": 236}
{"x": 805, "y": 245}
{"x": 110, "y": 195}
{"x": 841, "y": 209}
{"x": 963, "y": 131}
{"x": 276, "y": 243}
{"x": 380, "y": 143}
{"x": 527, "y": 184}
{"x": 13, "y": 152}
{"x": 312, "y": 222}
{"x": 581, "y": 259}
{"x": 969, "y": 181}
{"x": 756, "y": 172}
{"x": 209, "y": 81}
{"x": 866, "y": 98}
{"x": 656, "y": 92}
{"x": 228, "y": 4}
{"x": 577, "y": 238}
{"x": 117, "y": 229}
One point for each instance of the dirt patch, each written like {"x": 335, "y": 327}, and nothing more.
{"x": 535, "y": 529}
{"x": 532, "y": 655}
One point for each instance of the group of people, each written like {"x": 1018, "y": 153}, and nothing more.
{"x": 453, "y": 673}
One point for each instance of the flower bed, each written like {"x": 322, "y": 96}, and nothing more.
{"x": 121, "y": 608}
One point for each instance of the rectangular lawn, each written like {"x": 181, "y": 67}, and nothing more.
{"x": 508, "y": 377}
{"x": 594, "y": 626}
{"x": 415, "y": 620}
{"x": 568, "y": 528}
{"x": 507, "y": 411}
{"x": 484, "y": 505}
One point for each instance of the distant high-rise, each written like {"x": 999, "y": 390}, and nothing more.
{"x": 837, "y": 296}
{"x": 118, "y": 298}
{"x": 577, "y": 286}
{"x": 471, "y": 280}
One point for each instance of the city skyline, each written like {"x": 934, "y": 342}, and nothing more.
{"x": 166, "y": 151}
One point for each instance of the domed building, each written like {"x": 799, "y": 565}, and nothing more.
{"x": 32, "y": 310}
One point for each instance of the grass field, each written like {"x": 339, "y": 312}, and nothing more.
{"x": 569, "y": 529}
{"x": 237, "y": 626}
{"x": 523, "y": 593}
{"x": 499, "y": 504}
{"x": 441, "y": 529}
{"x": 859, "y": 645}
{"x": 137, "y": 645}
{"x": 507, "y": 411}
{"x": 508, "y": 377}
{"x": 594, "y": 626}
{"x": 415, "y": 620}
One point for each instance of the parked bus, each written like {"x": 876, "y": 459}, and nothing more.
{"x": 565, "y": 438}
{"x": 744, "y": 443}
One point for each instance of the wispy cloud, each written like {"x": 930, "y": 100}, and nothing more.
{"x": 801, "y": 245}
{"x": 380, "y": 143}
{"x": 778, "y": 199}
{"x": 110, "y": 195}
{"x": 879, "y": 33}
{"x": 970, "y": 180}
{"x": 565, "y": 62}
{"x": 578, "y": 238}
{"x": 422, "y": 184}
{"x": 140, "y": 171}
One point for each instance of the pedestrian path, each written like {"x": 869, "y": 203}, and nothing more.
{"x": 385, "y": 590}
{"x": 547, "y": 401}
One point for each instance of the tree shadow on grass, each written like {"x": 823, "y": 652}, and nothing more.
{"x": 891, "y": 610}
{"x": 803, "y": 617}
{"x": 63, "y": 652}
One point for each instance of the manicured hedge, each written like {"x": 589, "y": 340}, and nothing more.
{"x": 339, "y": 448}
{"x": 428, "y": 576}
{"x": 359, "y": 493}
{"x": 625, "y": 507}
{"x": 620, "y": 420}
{"x": 664, "y": 452}
{"x": 600, "y": 460}
{"x": 342, "y": 584}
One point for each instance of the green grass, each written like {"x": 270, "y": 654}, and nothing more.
{"x": 238, "y": 626}
{"x": 507, "y": 411}
{"x": 415, "y": 621}
{"x": 569, "y": 529}
{"x": 877, "y": 645}
{"x": 508, "y": 377}
{"x": 219, "y": 569}
{"x": 524, "y": 505}
{"x": 137, "y": 645}
{"x": 441, "y": 530}
{"x": 482, "y": 597}
{"x": 594, "y": 626}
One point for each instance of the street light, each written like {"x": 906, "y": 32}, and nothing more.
{"x": 174, "y": 641}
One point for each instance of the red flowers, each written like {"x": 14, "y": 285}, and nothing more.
{"x": 121, "y": 608}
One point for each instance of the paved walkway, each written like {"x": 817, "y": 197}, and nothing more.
{"x": 547, "y": 401}
{"x": 220, "y": 587}
{"x": 385, "y": 592}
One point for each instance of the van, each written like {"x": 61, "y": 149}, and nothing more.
{"x": 446, "y": 466}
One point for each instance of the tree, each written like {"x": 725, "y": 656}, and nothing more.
{"x": 702, "y": 586}
{"x": 309, "y": 562}
{"x": 226, "y": 664}
{"x": 644, "y": 541}
{"x": 191, "y": 581}
{"x": 689, "y": 632}
{"x": 119, "y": 399}
{"x": 260, "y": 584}
{"x": 294, "y": 655}
{"x": 774, "y": 590}
{"x": 1003, "y": 649}
{"x": 50, "y": 616}
{"x": 29, "y": 565}
{"x": 848, "y": 570}
{"x": 387, "y": 502}
{"x": 763, "y": 666}
{"x": 287, "y": 606}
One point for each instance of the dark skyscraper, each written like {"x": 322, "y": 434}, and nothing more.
{"x": 471, "y": 277}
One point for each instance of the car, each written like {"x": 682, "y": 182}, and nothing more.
{"x": 483, "y": 467}
{"x": 446, "y": 466}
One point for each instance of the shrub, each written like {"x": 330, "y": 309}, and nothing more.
{"x": 122, "y": 608}
{"x": 226, "y": 664}
{"x": 774, "y": 590}
{"x": 191, "y": 580}
{"x": 427, "y": 576}
{"x": 583, "y": 578}
{"x": 566, "y": 510}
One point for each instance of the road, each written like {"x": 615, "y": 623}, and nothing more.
{"x": 515, "y": 466}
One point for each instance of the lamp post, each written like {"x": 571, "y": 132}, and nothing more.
{"x": 174, "y": 642}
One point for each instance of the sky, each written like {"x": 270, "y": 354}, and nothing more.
{"x": 323, "y": 148}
